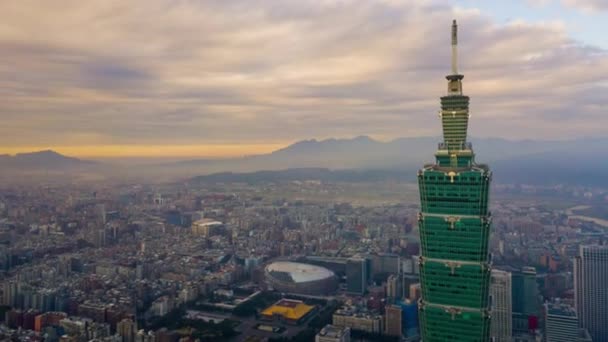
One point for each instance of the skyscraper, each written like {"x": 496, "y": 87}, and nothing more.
{"x": 126, "y": 329}
{"x": 393, "y": 288}
{"x": 393, "y": 320}
{"x": 356, "y": 275}
{"x": 454, "y": 227}
{"x": 384, "y": 264}
{"x": 591, "y": 290}
{"x": 526, "y": 305}
{"x": 410, "y": 320}
{"x": 500, "y": 291}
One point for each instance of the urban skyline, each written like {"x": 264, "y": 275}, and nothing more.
{"x": 254, "y": 171}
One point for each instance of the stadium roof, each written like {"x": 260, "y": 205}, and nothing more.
{"x": 300, "y": 273}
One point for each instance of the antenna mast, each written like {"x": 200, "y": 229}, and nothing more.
{"x": 454, "y": 48}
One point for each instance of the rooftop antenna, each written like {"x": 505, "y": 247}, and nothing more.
{"x": 454, "y": 48}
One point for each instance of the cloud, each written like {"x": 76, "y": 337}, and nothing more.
{"x": 163, "y": 72}
{"x": 538, "y": 3}
{"x": 589, "y": 6}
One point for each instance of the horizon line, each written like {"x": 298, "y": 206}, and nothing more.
{"x": 211, "y": 151}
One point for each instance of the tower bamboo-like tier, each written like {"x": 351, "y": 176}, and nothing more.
{"x": 454, "y": 224}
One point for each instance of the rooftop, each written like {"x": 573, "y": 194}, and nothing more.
{"x": 207, "y": 222}
{"x": 560, "y": 310}
{"x": 333, "y": 331}
{"x": 300, "y": 273}
{"x": 288, "y": 308}
{"x": 352, "y": 311}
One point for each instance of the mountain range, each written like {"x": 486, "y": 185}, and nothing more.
{"x": 582, "y": 161}
{"x": 42, "y": 160}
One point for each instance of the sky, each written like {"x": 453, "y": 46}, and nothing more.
{"x": 217, "y": 78}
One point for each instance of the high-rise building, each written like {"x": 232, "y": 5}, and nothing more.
{"x": 384, "y": 263}
{"x": 500, "y": 292}
{"x": 561, "y": 323}
{"x": 407, "y": 280}
{"x": 393, "y": 320}
{"x": 591, "y": 290}
{"x": 454, "y": 225}
{"x": 410, "y": 320}
{"x": 356, "y": 275}
{"x": 100, "y": 209}
{"x": 393, "y": 287}
{"x": 526, "y": 304}
{"x": 126, "y": 329}
{"x": 401, "y": 320}
{"x": 11, "y": 294}
{"x": 415, "y": 291}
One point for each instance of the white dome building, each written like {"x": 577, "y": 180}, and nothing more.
{"x": 295, "y": 277}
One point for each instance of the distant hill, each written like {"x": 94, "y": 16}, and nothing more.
{"x": 527, "y": 161}
{"x": 42, "y": 160}
{"x": 364, "y": 152}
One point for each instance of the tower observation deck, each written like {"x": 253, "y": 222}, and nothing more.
{"x": 454, "y": 223}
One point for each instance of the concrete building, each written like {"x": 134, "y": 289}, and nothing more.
{"x": 385, "y": 263}
{"x": 48, "y": 319}
{"x": 393, "y": 320}
{"x": 357, "y": 320}
{"x": 502, "y": 311}
{"x": 331, "y": 333}
{"x": 100, "y": 210}
{"x": 393, "y": 287}
{"x": 415, "y": 291}
{"x": 127, "y": 330}
{"x": 11, "y": 294}
{"x": 207, "y": 227}
{"x": 561, "y": 323}
{"x": 407, "y": 280}
{"x": 94, "y": 311}
{"x": 356, "y": 275}
{"x": 591, "y": 290}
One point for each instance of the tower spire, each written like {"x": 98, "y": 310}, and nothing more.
{"x": 455, "y": 106}
{"x": 454, "y": 48}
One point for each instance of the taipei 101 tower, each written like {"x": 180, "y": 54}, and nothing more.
{"x": 454, "y": 224}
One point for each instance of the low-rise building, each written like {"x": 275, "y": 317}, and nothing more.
{"x": 332, "y": 333}
{"x": 359, "y": 320}
{"x": 288, "y": 310}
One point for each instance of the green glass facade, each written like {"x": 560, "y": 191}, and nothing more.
{"x": 454, "y": 224}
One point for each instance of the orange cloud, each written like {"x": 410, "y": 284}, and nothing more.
{"x": 181, "y": 151}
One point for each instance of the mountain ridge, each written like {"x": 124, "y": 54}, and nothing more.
{"x": 527, "y": 161}
{"x": 44, "y": 159}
